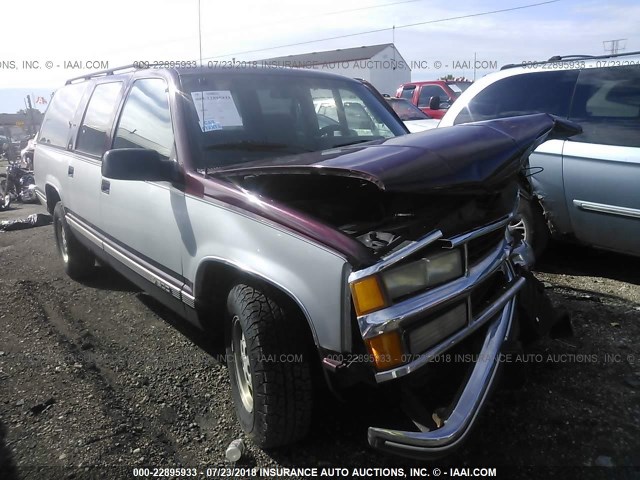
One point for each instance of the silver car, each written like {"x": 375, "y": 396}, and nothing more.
{"x": 585, "y": 187}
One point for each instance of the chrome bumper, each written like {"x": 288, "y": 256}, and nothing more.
{"x": 497, "y": 318}
{"x": 430, "y": 444}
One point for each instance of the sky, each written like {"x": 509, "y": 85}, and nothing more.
{"x": 68, "y": 38}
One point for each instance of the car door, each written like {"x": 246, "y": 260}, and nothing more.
{"x": 601, "y": 167}
{"x": 82, "y": 194}
{"x": 140, "y": 218}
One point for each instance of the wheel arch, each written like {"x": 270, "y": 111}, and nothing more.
{"x": 215, "y": 277}
{"x": 53, "y": 197}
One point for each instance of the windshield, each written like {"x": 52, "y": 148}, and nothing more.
{"x": 406, "y": 110}
{"x": 458, "y": 87}
{"x": 241, "y": 116}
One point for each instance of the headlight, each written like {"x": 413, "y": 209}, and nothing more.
{"x": 426, "y": 272}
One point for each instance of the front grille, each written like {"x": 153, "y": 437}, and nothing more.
{"x": 480, "y": 247}
{"x": 484, "y": 294}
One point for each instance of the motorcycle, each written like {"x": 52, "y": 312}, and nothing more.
{"x": 17, "y": 184}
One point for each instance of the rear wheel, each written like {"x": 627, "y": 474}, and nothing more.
{"x": 5, "y": 196}
{"x": 78, "y": 260}
{"x": 268, "y": 368}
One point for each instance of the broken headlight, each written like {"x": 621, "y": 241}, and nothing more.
{"x": 423, "y": 273}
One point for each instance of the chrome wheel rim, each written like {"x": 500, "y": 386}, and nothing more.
{"x": 64, "y": 247}
{"x": 519, "y": 226}
{"x": 241, "y": 364}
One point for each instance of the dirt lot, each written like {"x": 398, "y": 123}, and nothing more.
{"x": 95, "y": 374}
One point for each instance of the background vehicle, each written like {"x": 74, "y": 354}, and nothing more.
{"x": 17, "y": 183}
{"x": 26, "y": 154}
{"x": 432, "y": 97}
{"x": 584, "y": 188}
{"x": 414, "y": 118}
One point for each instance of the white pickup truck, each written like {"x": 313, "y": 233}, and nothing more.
{"x": 320, "y": 251}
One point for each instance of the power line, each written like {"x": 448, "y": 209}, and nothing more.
{"x": 521, "y": 7}
{"x": 262, "y": 24}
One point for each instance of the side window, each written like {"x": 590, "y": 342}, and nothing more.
{"x": 607, "y": 106}
{"x": 57, "y": 121}
{"x": 539, "y": 92}
{"x": 146, "y": 118}
{"x": 93, "y": 135}
{"x": 407, "y": 92}
{"x": 428, "y": 91}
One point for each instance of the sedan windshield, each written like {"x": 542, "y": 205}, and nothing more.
{"x": 247, "y": 116}
{"x": 458, "y": 87}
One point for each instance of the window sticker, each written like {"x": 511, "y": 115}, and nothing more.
{"x": 216, "y": 110}
{"x": 455, "y": 88}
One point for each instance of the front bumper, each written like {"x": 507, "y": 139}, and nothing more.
{"x": 495, "y": 313}
{"x": 436, "y": 443}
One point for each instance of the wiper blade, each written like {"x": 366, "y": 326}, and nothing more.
{"x": 354, "y": 142}
{"x": 256, "y": 146}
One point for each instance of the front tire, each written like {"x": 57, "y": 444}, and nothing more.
{"x": 78, "y": 261}
{"x": 532, "y": 226}
{"x": 268, "y": 367}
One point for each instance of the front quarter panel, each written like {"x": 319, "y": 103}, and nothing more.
{"x": 312, "y": 275}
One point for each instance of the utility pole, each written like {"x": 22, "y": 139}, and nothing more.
{"x": 475, "y": 60}
{"x": 200, "y": 31}
{"x": 30, "y": 110}
{"x": 614, "y": 46}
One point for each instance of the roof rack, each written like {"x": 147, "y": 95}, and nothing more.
{"x": 559, "y": 58}
{"x": 103, "y": 73}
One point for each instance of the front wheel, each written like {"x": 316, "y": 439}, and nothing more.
{"x": 268, "y": 368}
{"x": 532, "y": 226}
{"x": 78, "y": 260}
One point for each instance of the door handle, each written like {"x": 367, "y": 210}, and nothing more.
{"x": 70, "y": 171}
{"x": 106, "y": 186}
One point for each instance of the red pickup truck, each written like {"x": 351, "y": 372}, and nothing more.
{"x": 432, "y": 97}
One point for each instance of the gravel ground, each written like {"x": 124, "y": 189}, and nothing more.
{"x": 97, "y": 374}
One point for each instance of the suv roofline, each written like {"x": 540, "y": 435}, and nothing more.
{"x": 559, "y": 58}
{"x": 132, "y": 68}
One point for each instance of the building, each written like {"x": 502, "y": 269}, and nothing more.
{"x": 382, "y": 65}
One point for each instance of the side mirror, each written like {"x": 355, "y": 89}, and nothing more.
{"x": 137, "y": 164}
{"x": 434, "y": 102}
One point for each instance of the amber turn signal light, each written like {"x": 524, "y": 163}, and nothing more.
{"x": 387, "y": 350}
{"x": 367, "y": 295}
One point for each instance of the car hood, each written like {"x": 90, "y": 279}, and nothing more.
{"x": 477, "y": 156}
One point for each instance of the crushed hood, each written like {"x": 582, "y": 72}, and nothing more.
{"x": 476, "y": 156}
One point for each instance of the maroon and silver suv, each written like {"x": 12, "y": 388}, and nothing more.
{"x": 342, "y": 252}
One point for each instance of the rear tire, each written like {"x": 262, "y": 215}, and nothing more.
{"x": 78, "y": 261}
{"x": 268, "y": 367}
{"x": 5, "y": 196}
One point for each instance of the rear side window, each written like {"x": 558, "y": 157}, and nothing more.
{"x": 607, "y": 106}
{"x": 57, "y": 122}
{"x": 146, "y": 119}
{"x": 539, "y": 92}
{"x": 93, "y": 135}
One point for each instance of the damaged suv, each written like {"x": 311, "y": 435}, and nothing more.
{"x": 350, "y": 254}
